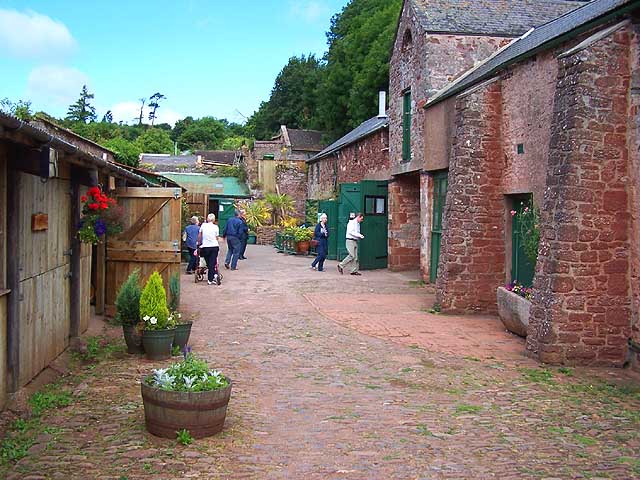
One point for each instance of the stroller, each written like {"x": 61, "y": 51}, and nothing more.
{"x": 201, "y": 271}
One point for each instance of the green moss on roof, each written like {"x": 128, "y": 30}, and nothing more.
{"x": 201, "y": 183}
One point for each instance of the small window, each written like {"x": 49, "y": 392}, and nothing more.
{"x": 374, "y": 205}
{"x": 520, "y": 148}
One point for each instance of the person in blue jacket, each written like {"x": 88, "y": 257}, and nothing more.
{"x": 321, "y": 235}
{"x": 234, "y": 230}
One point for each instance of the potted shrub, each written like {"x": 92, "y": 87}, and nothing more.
{"x": 514, "y": 303}
{"x": 128, "y": 312}
{"x": 186, "y": 396}
{"x": 303, "y": 236}
{"x": 183, "y": 330}
{"x": 159, "y": 328}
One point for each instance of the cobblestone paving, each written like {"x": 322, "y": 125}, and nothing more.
{"x": 315, "y": 400}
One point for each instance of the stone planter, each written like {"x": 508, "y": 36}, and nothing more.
{"x": 513, "y": 311}
{"x": 202, "y": 413}
{"x": 133, "y": 339}
{"x": 183, "y": 331}
{"x": 157, "y": 343}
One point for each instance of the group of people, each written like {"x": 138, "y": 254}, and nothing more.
{"x": 353, "y": 236}
{"x": 203, "y": 241}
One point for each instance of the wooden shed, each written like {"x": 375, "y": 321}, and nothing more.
{"x": 45, "y": 271}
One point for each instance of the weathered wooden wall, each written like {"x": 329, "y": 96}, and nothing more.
{"x": 44, "y": 267}
{"x": 197, "y": 203}
{"x": 267, "y": 174}
{"x": 85, "y": 286}
{"x": 3, "y": 279}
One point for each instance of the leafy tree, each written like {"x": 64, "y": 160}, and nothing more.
{"x": 127, "y": 152}
{"x": 206, "y": 133}
{"x": 20, "y": 109}
{"x": 234, "y": 143}
{"x": 82, "y": 110}
{"x": 107, "y": 117}
{"x": 155, "y": 141}
{"x": 154, "y": 104}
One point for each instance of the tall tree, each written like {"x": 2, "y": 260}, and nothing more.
{"x": 142, "y": 102}
{"x": 155, "y": 140}
{"x": 154, "y": 104}
{"x": 206, "y": 133}
{"x": 107, "y": 117}
{"x": 82, "y": 110}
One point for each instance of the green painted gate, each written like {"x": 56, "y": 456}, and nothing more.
{"x": 330, "y": 207}
{"x": 521, "y": 268}
{"x": 369, "y": 197}
{"x": 225, "y": 212}
{"x": 440, "y": 184}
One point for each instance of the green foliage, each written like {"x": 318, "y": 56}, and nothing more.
{"x": 184, "y": 437}
{"x": 82, "y": 111}
{"x": 235, "y": 142}
{"x": 174, "y": 292}
{"x": 206, "y": 133}
{"x": 232, "y": 171}
{"x": 20, "y": 109}
{"x": 311, "y": 212}
{"x": 530, "y": 231}
{"x": 190, "y": 375}
{"x": 280, "y": 204}
{"x": 48, "y": 399}
{"x": 303, "y": 234}
{"x": 126, "y": 151}
{"x": 99, "y": 348}
{"x": 538, "y": 375}
{"x": 155, "y": 140}
{"x": 153, "y": 301}
{"x": 128, "y": 300}
{"x": 256, "y": 213}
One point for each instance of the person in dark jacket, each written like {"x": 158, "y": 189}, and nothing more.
{"x": 233, "y": 232}
{"x": 245, "y": 236}
{"x": 321, "y": 235}
{"x": 190, "y": 237}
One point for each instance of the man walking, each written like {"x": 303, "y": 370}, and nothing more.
{"x": 245, "y": 236}
{"x": 233, "y": 232}
{"x": 190, "y": 237}
{"x": 353, "y": 237}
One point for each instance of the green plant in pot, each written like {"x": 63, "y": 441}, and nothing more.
{"x": 128, "y": 312}
{"x": 187, "y": 395}
{"x": 159, "y": 326}
{"x": 302, "y": 236}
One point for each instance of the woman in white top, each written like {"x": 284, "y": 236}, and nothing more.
{"x": 209, "y": 247}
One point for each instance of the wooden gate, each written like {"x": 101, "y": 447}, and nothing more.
{"x": 150, "y": 240}
{"x": 440, "y": 185}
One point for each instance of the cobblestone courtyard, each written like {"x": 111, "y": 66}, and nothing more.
{"x": 316, "y": 397}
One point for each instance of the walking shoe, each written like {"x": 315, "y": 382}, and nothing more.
{"x": 313, "y": 268}
{"x": 216, "y": 279}
{"x": 340, "y": 270}
{"x": 242, "y": 258}
{"x": 356, "y": 273}
{"x": 226, "y": 265}
{"x": 209, "y": 283}
{"x": 189, "y": 272}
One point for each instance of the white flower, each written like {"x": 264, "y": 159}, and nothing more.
{"x": 188, "y": 381}
{"x": 153, "y": 320}
{"x": 145, "y": 318}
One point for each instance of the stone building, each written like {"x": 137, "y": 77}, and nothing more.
{"x": 554, "y": 117}
{"x": 436, "y": 40}
{"x": 362, "y": 154}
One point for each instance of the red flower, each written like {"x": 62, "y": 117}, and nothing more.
{"x": 104, "y": 205}
{"x": 93, "y": 206}
{"x": 93, "y": 191}
{"x": 83, "y": 198}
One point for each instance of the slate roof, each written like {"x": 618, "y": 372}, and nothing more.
{"x": 217, "y": 156}
{"x": 508, "y": 18}
{"x": 169, "y": 163}
{"x": 216, "y": 186}
{"x": 531, "y": 43}
{"x": 365, "y": 129}
{"x": 307, "y": 140}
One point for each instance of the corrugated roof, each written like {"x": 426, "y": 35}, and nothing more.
{"x": 531, "y": 43}
{"x": 307, "y": 140}
{"x": 364, "y": 129}
{"x": 508, "y": 18}
{"x": 218, "y": 186}
{"x": 218, "y": 156}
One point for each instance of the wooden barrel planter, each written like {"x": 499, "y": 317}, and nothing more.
{"x": 201, "y": 413}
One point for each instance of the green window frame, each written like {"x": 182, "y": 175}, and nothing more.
{"x": 406, "y": 126}
{"x": 375, "y": 205}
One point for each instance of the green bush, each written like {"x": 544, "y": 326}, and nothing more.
{"x": 303, "y": 234}
{"x": 128, "y": 300}
{"x": 174, "y": 292}
{"x": 153, "y": 301}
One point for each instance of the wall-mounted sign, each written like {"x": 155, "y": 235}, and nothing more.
{"x": 39, "y": 222}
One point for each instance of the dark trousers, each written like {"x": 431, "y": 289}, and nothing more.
{"x": 243, "y": 247}
{"x": 233, "y": 251}
{"x": 210, "y": 255}
{"x": 321, "y": 254}
{"x": 193, "y": 260}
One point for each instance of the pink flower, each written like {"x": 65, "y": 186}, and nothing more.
{"x": 513, "y": 213}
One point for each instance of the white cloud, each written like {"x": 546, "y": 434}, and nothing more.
{"x": 309, "y": 10}
{"x": 33, "y": 35}
{"x": 55, "y": 85}
{"x": 128, "y": 112}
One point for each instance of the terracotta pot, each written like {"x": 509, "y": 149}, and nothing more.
{"x": 201, "y": 413}
{"x": 303, "y": 247}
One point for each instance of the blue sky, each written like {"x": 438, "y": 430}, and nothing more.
{"x": 209, "y": 57}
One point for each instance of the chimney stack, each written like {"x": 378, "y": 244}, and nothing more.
{"x": 382, "y": 104}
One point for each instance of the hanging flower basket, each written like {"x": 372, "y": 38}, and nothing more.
{"x": 100, "y": 215}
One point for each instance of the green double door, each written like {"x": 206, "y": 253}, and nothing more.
{"x": 522, "y": 270}
{"x": 440, "y": 185}
{"x": 369, "y": 197}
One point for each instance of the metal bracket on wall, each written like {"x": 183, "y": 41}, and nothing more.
{"x": 68, "y": 253}
{"x": 177, "y": 192}
{"x": 176, "y": 246}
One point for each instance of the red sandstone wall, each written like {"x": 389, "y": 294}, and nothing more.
{"x": 367, "y": 159}
{"x": 581, "y": 310}
{"x": 293, "y": 181}
{"x": 404, "y": 223}
{"x": 472, "y": 257}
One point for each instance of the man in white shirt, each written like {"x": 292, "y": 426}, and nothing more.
{"x": 353, "y": 237}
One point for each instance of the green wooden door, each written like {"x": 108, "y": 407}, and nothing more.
{"x": 226, "y": 210}
{"x": 374, "y": 248}
{"x": 440, "y": 184}
{"x": 522, "y": 270}
{"x": 330, "y": 207}
{"x": 348, "y": 203}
